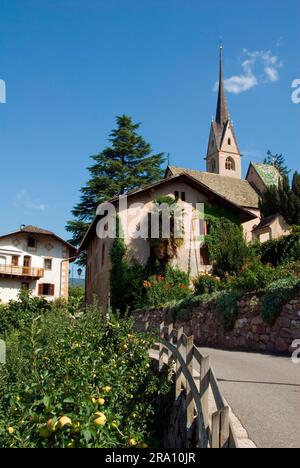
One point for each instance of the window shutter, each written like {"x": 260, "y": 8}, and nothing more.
{"x": 52, "y": 289}
{"x": 40, "y": 291}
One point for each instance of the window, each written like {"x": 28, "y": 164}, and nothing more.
{"x": 204, "y": 256}
{"x": 31, "y": 243}
{"x": 229, "y": 141}
{"x": 46, "y": 289}
{"x": 15, "y": 260}
{"x": 48, "y": 263}
{"x": 229, "y": 164}
{"x": 180, "y": 196}
{"x": 27, "y": 261}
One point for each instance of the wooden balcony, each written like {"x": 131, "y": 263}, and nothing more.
{"x": 22, "y": 272}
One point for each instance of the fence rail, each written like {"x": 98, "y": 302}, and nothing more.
{"x": 194, "y": 375}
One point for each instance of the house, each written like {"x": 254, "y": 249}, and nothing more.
{"x": 220, "y": 186}
{"x": 271, "y": 227}
{"x": 36, "y": 260}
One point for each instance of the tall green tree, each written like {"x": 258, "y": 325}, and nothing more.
{"x": 277, "y": 160}
{"x": 128, "y": 163}
{"x": 284, "y": 199}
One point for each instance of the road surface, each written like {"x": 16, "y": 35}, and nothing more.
{"x": 263, "y": 392}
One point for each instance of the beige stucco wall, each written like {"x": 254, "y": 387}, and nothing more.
{"x": 255, "y": 180}
{"x": 188, "y": 256}
{"x": 277, "y": 229}
{"x": 248, "y": 227}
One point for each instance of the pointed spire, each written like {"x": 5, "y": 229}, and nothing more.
{"x": 222, "y": 113}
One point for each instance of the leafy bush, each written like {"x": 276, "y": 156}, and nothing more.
{"x": 18, "y": 314}
{"x": 289, "y": 269}
{"x": 254, "y": 277}
{"x": 278, "y": 251}
{"x": 161, "y": 290}
{"x": 206, "y": 284}
{"x": 76, "y": 383}
{"x": 125, "y": 276}
{"x": 227, "y": 246}
{"x": 227, "y": 308}
{"x": 278, "y": 294}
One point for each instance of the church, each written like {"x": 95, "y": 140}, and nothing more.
{"x": 220, "y": 185}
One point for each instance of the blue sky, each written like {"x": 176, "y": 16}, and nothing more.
{"x": 71, "y": 66}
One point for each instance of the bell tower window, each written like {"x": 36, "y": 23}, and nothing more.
{"x": 229, "y": 164}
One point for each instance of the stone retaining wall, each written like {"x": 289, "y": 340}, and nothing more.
{"x": 250, "y": 331}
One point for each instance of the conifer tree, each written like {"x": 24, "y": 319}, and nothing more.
{"x": 127, "y": 164}
{"x": 278, "y": 161}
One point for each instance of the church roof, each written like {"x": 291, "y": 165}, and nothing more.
{"x": 235, "y": 190}
{"x": 222, "y": 121}
{"x": 266, "y": 222}
{"x": 222, "y": 112}
{"x": 268, "y": 174}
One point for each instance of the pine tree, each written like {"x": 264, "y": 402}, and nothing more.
{"x": 296, "y": 184}
{"x": 278, "y": 161}
{"x": 283, "y": 199}
{"x": 127, "y": 164}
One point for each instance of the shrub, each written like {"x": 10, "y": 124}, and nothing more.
{"x": 206, "y": 284}
{"x": 227, "y": 246}
{"x": 278, "y": 251}
{"x": 289, "y": 269}
{"x": 18, "y": 314}
{"x": 278, "y": 294}
{"x": 77, "y": 383}
{"x": 227, "y": 308}
{"x": 161, "y": 290}
{"x": 254, "y": 277}
{"x": 126, "y": 276}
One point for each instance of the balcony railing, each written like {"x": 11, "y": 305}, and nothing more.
{"x": 21, "y": 271}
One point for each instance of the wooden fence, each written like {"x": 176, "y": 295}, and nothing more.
{"x": 194, "y": 375}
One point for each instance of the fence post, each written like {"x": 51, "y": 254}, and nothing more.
{"x": 170, "y": 340}
{"x": 161, "y": 346}
{"x": 178, "y": 366}
{"x": 224, "y": 430}
{"x": 204, "y": 390}
{"x": 215, "y": 430}
{"x": 190, "y": 404}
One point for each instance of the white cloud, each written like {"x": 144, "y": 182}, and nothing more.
{"x": 22, "y": 200}
{"x": 258, "y": 67}
{"x": 240, "y": 84}
{"x": 272, "y": 73}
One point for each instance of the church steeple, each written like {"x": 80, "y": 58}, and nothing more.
{"x": 223, "y": 155}
{"x": 222, "y": 113}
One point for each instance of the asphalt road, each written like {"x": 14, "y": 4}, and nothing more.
{"x": 263, "y": 392}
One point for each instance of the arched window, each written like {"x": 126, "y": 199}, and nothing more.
{"x": 229, "y": 164}
{"x": 213, "y": 165}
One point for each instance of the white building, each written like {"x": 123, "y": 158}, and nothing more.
{"x": 36, "y": 260}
